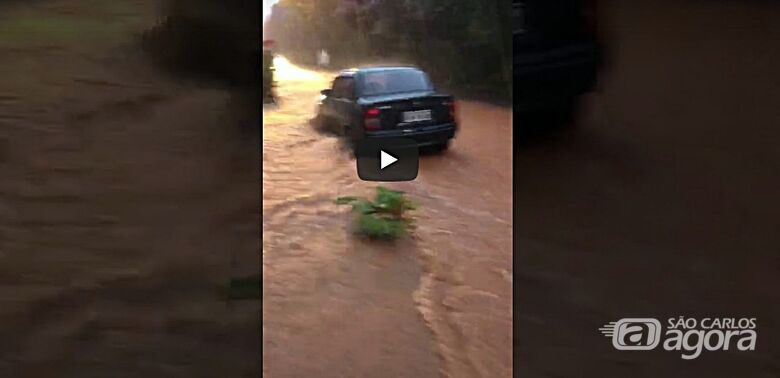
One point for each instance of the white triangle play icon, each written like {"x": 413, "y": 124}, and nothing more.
{"x": 386, "y": 159}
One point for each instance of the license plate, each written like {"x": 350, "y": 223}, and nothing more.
{"x": 417, "y": 116}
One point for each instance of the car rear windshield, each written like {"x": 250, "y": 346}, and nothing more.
{"x": 394, "y": 81}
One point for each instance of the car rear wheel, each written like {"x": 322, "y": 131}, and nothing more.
{"x": 324, "y": 124}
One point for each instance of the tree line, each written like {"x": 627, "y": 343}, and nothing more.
{"x": 465, "y": 45}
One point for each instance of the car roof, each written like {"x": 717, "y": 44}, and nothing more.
{"x": 354, "y": 71}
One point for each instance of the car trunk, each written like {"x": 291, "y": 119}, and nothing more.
{"x": 556, "y": 52}
{"x": 393, "y": 108}
{"x": 540, "y": 25}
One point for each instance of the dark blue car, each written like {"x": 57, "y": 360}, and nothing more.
{"x": 386, "y": 102}
{"x": 557, "y": 53}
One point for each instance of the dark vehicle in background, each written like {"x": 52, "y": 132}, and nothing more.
{"x": 385, "y": 102}
{"x": 556, "y": 54}
{"x": 211, "y": 37}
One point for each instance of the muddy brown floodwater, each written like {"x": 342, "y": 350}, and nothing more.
{"x": 126, "y": 198}
{"x": 437, "y": 304}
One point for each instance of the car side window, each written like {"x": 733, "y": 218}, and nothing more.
{"x": 344, "y": 87}
{"x": 348, "y": 88}
{"x": 338, "y": 87}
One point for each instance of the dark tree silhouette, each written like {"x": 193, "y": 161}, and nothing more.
{"x": 464, "y": 44}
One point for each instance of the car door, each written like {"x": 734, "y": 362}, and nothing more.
{"x": 344, "y": 101}
{"x": 329, "y": 104}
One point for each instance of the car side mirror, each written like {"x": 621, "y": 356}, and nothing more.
{"x": 326, "y": 92}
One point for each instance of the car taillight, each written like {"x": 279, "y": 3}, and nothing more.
{"x": 451, "y": 105}
{"x": 371, "y": 119}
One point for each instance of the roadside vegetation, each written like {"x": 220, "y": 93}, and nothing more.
{"x": 385, "y": 217}
{"x": 458, "y": 42}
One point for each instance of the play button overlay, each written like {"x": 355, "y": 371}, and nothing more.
{"x": 386, "y": 159}
{"x": 391, "y": 159}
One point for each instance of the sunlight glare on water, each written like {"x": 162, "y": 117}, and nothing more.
{"x": 296, "y": 91}
{"x": 286, "y": 71}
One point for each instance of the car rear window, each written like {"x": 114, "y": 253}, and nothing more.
{"x": 394, "y": 81}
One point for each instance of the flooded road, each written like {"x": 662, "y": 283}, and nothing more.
{"x": 435, "y": 304}
{"x": 126, "y": 198}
